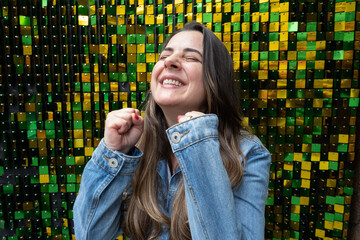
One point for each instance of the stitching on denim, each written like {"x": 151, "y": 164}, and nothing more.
{"x": 102, "y": 166}
{"x": 185, "y": 176}
{"x": 127, "y": 172}
{"x": 196, "y": 141}
{"x": 118, "y": 170}
{"x": 256, "y": 142}
{"x": 120, "y": 167}
{"x": 95, "y": 202}
{"x": 131, "y": 158}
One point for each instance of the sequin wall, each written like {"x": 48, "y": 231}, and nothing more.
{"x": 65, "y": 64}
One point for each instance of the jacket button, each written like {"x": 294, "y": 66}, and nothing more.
{"x": 175, "y": 137}
{"x": 113, "y": 162}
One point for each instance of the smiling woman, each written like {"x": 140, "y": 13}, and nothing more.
{"x": 176, "y": 84}
{"x": 191, "y": 169}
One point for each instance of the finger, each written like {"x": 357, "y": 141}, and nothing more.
{"x": 137, "y": 121}
{"x": 183, "y": 118}
{"x": 194, "y": 114}
{"x": 120, "y": 125}
{"x": 121, "y": 111}
{"x": 138, "y": 112}
{"x": 125, "y": 115}
{"x": 189, "y": 115}
{"x": 129, "y": 110}
{"x": 119, "y": 121}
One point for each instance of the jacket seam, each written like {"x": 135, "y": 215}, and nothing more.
{"x": 96, "y": 202}
{"x": 255, "y": 142}
{"x": 195, "y": 142}
{"x": 118, "y": 170}
{"x": 119, "y": 154}
{"x": 103, "y": 166}
{"x": 191, "y": 190}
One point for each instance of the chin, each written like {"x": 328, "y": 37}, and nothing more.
{"x": 168, "y": 105}
{"x": 167, "y": 100}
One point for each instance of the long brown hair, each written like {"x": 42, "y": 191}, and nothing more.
{"x": 145, "y": 219}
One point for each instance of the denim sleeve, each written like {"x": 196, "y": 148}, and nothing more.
{"x": 104, "y": 179}
{"x": 251, "y": 195}
{"x": 215, "y": 211}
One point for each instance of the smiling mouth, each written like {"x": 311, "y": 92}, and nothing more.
{"x": 172, "y": 82}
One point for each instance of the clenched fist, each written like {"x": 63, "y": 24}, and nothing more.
{"x": 123, "y": 129}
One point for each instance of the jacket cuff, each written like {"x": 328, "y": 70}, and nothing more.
{"x": 115, "y": 161}
{"x": 192, "y": 131}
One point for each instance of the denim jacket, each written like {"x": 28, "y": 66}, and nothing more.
{"x": 215, "y": 210}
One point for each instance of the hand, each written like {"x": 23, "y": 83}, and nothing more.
{"x": 123, "y": 129}
{"x": 188, "y": 116}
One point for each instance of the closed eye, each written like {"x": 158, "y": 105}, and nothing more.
{"x": 192, "y": 59}
{"x": 163, "y": 57}
{"x": 188, "y": 54}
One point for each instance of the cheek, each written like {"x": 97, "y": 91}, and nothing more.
{"x": 155, "y": 74}
{"x": 198, "y": 76}
{"x": 200, "y": 82}
{"x": 157, "y": 70}
{"x": 193, "y": 71}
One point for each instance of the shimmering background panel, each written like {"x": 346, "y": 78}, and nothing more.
{"x": 65, "y": 64}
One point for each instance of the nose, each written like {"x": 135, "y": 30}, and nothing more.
{"x": 172, "y": 62}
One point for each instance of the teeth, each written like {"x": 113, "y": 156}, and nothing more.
{"x": 172, "y": 82}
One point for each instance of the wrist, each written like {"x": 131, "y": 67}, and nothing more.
{"x": 116, "y": 148}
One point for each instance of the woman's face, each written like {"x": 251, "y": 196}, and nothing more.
{"x": 177, "y": 80}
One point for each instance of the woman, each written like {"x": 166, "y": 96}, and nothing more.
{"x": 199, "y": 174}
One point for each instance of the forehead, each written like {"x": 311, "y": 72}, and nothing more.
{"x": 187, "y": 39}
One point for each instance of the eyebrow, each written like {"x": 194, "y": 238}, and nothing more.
{"x": 185, "y": 50}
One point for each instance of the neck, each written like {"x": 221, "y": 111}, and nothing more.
{"x": 171, "y": 115}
